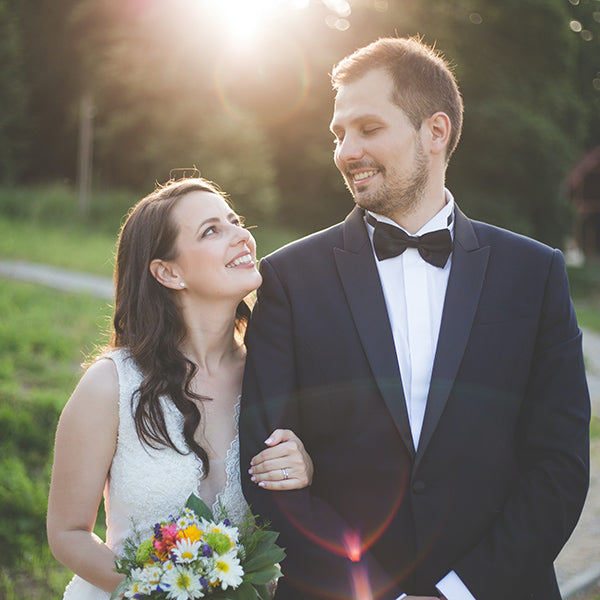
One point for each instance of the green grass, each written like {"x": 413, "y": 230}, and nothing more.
{"x": 70, "y": 247}
{"x": 588, "y": 316}
{"x": 45, "y": 335}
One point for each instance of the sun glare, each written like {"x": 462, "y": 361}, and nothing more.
{"x": 243, "y": 18}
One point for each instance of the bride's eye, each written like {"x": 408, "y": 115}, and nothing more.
{"x": 209, "y": 231}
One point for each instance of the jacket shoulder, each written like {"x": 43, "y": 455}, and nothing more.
{"x": 497, "y": 237}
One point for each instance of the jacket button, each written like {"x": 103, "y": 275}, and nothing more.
{"x": 418, "y": 487}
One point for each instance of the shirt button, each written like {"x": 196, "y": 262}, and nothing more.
{"x": 418, "y": 487}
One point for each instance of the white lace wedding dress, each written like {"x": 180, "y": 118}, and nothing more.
{"x": 147, "y": 485}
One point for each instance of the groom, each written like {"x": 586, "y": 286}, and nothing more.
{"x": 431, "y": 364}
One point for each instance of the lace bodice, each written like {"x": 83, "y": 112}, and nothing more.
{"x": 146, "y": 484}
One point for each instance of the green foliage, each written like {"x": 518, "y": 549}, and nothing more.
{"x": 523, "y": 130}
{"x": 588, "y": 316}
{"x": 23, "y": 504}
{"x": 170, "y": 92}
{"x": 595, "y": 428}
{"x": 42, "y": 336}
{"x": 40, "y": 577}
{"x": 585, "y": 14}
{"x": 56, "y": 204}
{"x": 584, "y": 282}
{"x": 14, "y": 96}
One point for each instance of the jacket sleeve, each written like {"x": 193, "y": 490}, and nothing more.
{"x": 546, "y": 501}
{"x": 320, "y": 562}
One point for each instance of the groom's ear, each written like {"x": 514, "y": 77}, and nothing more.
{"x": 165, "y": 274}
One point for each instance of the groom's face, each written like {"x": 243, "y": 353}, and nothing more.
{"x": 378, "y": 151}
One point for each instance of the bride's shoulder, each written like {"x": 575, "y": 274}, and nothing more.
{"x": 98, "y": 387}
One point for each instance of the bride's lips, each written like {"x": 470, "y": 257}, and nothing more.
{"x": 243, "y": 260}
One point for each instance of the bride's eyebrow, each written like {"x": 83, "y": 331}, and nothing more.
{"x": 206, "y": 222}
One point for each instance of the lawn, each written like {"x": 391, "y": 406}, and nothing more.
{"x": 45, "y": 335}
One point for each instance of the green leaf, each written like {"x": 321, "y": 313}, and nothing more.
{"x": 264, "y": 559}
{"x": 245, "y": 591}
{"x": 262, "y": 591}
{"x": 264, "y": 575}
{"x": 199, "y": 507}
{"x": 269, "y": 537}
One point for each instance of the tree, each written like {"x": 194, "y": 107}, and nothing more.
{"x": 13, "y": 95}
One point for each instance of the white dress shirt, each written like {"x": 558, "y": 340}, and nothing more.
{"x": 414, "y": 294}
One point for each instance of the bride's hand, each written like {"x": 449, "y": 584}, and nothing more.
{"x": 285, "y": 465}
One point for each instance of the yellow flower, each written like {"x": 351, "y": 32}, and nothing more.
{"x": 191, "y": 533}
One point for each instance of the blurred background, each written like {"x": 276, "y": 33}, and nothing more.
{"x": 102, "y": 99}
{"x": 112, "y": 95}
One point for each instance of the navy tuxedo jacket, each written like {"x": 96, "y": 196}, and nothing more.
{"x": 500, "y": 475}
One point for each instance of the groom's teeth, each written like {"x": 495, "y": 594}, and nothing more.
{"x": 239, "y": 261}
{"x": 364, "y": 175}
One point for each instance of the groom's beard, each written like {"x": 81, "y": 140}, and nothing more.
{"x": 398, "y": 193}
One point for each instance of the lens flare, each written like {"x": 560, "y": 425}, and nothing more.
{"x": 261, "y": 85}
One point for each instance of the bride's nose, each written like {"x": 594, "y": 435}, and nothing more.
{"x": 240, "y": 235}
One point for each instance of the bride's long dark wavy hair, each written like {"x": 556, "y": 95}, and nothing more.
{"x": 148, "y": 321}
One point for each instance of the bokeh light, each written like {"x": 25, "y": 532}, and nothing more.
{"x": 575, "y": 26}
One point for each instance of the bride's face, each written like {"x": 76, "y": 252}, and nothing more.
{"x": 216, "y": 256}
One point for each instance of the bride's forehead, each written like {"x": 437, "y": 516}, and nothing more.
{"x": 201, "y": 204}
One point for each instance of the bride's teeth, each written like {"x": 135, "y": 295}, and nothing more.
{"x": 238, "y": 261}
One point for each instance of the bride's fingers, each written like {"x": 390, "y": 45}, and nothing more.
{"x": 273, "y": 469}
{"x": 284, "y": 478}
{"x": 289, "y": 450}
{"x": 283, "y": 484}
{"x": 281, "y": 469}
{"x": 281, "y": 435}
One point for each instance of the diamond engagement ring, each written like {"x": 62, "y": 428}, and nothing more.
{"x": 285, "y": 474}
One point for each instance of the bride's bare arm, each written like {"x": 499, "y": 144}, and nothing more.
{"x": 284, "y": 465}
{"x": 85, "y": 444}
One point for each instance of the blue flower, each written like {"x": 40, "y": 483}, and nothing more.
{"x": 207, "y": 551}
{"x": 227, "y": 523}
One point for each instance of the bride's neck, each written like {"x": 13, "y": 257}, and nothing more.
{"x": 210, "y": 340}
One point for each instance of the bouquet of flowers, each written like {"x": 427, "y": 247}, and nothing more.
{"x": 193, "y": 555}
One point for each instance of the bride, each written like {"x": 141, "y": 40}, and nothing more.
{"x": 155, "y": 418}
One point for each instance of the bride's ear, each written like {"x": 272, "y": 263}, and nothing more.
{"x": 165, "y": 274}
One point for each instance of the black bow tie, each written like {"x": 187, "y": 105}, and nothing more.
{"x": 434, "y": 247}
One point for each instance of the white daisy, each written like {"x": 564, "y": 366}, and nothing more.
{"x": 152, "y": 575}
{"x": 186, "y": 551}
{"x": 183, "y": 583}
{"x": 139, "y": 584}
{"x": 226, "y": 571}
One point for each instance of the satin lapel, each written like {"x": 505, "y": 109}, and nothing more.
{"x": 358, "y": 273}
{"x": 469, "y": 263}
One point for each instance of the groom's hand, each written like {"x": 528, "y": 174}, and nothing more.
{"x": 285, "y": 465}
